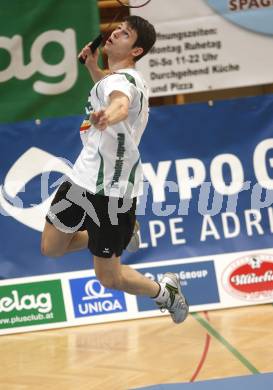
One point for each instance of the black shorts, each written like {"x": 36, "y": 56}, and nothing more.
{"x": 109, "y": 221}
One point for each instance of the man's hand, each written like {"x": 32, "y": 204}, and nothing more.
{"x": 99, "y": 119}
{"x": 91, "y": 63}
{"x": 91, "y": 59}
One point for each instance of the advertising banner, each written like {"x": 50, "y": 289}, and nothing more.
{"x": 207, "y": 190}
{"x": 40, "y": 75}
{"x": 198, "y": 281}
{"x": 31, "y": 304}
{"x": 206, "y": 214}
{"x": 34, "y": 158}
{"x": 90, "y": 297}
{"x": 207, "y": 45}
{"x": 209, "y": 187}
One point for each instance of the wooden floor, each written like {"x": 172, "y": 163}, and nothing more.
{"x": 129, "y": 354}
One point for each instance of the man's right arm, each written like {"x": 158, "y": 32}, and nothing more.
{"x": 91, "y": 63}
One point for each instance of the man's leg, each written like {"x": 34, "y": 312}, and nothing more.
{"x": 55, "y": 243}
{"x": 112, "y": 274}
{"x": 78, "y": 242}
{"x": 166, "y": 294}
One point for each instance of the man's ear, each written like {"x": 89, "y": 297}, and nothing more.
{"x": 137, "y": 51}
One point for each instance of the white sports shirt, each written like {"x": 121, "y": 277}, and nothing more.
{"x": 109, "y": 163}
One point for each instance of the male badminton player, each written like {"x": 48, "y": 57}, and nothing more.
{"x": 95, "y": 207}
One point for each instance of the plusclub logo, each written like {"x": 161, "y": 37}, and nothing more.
{"x": 250, "y": 277}
{"x": 91, "y": 298}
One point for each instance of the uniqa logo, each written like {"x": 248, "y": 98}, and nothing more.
{"x": 99, "y": 300}
{"x": 21, "y": 172}
{"x": 66, "y": 67}
{"x": 250, "y": 277}
{"x": 42, "y": 302}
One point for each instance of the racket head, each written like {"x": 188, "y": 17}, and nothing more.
{"x": 133, "y": 3}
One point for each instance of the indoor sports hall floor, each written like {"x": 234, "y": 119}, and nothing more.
{"x": 149, "y": 352}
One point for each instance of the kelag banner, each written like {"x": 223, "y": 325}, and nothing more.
{"x": 208, "y": 44}
{"x": 206, "y": 214}
{"x": 40, "y": 75}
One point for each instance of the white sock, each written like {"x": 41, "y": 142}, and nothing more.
{"x": 163, "y": 294}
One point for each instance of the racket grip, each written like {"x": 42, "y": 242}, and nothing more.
{"x": 93, "y": 46}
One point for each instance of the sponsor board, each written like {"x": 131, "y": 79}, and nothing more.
{"x": 195, "y": 48}
{"x": 91, "y": 298}
{"x": 197, "y": 280}
{"x": 197, "y": 207}
{"x": 40, "y": 75}
{"x": 31, "y": 304}
{"x": 197, "y": 202}
{"x": 250, "y": 277}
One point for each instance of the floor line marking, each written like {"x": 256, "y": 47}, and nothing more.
{"x": 223, "y": 341}
{"x": 204, "y": 353}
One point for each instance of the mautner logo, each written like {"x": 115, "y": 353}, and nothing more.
{"x": 91, "y": 298}
{"x": 250, "y": 277}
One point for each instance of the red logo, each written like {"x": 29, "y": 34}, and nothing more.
{"x": 250, "y": 277}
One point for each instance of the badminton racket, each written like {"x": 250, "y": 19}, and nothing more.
{"x": 101, "y": 37}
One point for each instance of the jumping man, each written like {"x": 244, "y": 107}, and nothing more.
{"x": 95, "y": 207}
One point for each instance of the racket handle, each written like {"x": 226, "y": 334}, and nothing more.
{"x": 93, "y": 46}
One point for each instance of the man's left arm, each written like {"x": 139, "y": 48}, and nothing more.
{"x": 116, "y": 111}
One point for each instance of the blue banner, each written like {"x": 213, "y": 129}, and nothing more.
{"x": 34, "y": 156}
{"x": 91, "y": 298}
{"x": 208, "y": 187}
{"x": 210, "y": 180}
{"x": 194, "y": 278}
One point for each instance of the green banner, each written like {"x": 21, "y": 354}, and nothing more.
{"x": 40, "y": 75}
{"x": 31, "y": 304}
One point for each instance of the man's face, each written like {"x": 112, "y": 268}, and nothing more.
{"x": 120, "y": 44}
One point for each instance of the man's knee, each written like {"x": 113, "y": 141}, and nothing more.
{"x": 53, "y": 242}
{"x": 49, "y": 251}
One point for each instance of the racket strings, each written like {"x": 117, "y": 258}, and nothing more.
{"x": 133, "y": 3}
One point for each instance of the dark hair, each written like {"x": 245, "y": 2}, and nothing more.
{"x": 146, "y": 34}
